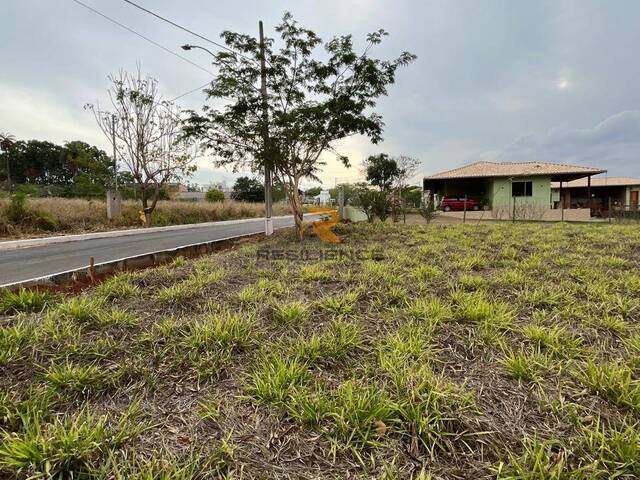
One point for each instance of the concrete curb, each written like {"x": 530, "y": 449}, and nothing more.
{"x": 39, "y": 242}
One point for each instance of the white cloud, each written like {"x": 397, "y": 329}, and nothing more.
{"x": 613, "y": 143}
{"x": 31, "y": 114}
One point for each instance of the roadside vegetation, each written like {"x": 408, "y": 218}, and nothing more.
{"x": 21, "y": 216}
{"x": 458, "y": 352}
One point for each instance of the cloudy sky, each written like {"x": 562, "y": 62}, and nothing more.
{"x": 494, "y": 80}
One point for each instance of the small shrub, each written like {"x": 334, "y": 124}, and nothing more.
{"x": 81, "y": 309}
{"x": 340, "y": 304}
{"x": 361, "y": 415}
{"x": 315, "y": 273}
{"x": 523, "y": 366}
{"x": 13, "y": 341}
{"x": 69, "y": 448}
{"x": 330, "y": 347}
{"x": 431, "y": 310}
{"x": 215, "y": 195}
{"x": 613, "y": 380}
{"x": 23, "y": 301}
{"x": 275, "y": 377}
{"x": 78, "y": 378}
{"x": 222, "y": 331}
{"x": 290, "y": 314}
{"x": 118, "y": 286}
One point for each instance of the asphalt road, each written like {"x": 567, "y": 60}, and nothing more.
{"x": 33, "y": 262}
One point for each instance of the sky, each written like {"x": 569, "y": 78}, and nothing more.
{"x": 497, "y": 80}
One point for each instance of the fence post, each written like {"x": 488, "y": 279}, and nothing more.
{"x": 610, "y": 207}
{"x": 513, "y": 214}
{"x": 464, "y": 213}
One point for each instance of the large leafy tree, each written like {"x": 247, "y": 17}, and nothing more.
{"x": 248, "y": 190}
{"x": 382, "y": 171}
{"x": 314, "y": 99}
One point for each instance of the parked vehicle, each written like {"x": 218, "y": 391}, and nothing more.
{"x": 449, "y": 204}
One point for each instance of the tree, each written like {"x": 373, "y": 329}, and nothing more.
{"x": 313, "y": 101}
{"x": 148, "y": 135}
{"x": 313, "y": 191}
{"x": 248, "y": 190}
{"x": 6, "y": 143}
{"x": 374, "y": 203}
{"x": 411, "y": 195}
{"x": 382, "y": 171}
{"x": 214, "y": 195}
{"x": 90, "y": 169}
{"x": 365, "y": 198}
{"x": 349, "y": 190}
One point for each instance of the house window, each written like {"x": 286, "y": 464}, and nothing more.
{"x": 522, "y": 189}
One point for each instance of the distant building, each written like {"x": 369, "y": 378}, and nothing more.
{"x": 174, "y": 188}
{"x": 323, "y": 199}
{"x": 620, "y": 192}
{"x": 191, "y": 196}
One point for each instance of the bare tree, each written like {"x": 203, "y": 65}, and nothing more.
{"x": 148, "y": 135}
{"x": 408, "y": 168}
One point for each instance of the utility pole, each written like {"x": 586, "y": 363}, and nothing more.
{"x": 268, "y": 197}
{"x": 115, "y": 158}
{"x": 114, "y": 205}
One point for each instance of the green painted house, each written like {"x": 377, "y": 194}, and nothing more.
{"x": 504, "y": 187}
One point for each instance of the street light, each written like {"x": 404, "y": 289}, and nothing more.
{"x": 268, "y": 195}
{"x": 191, "y": 47}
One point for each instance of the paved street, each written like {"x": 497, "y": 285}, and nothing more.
{"x": 33, "y": 262}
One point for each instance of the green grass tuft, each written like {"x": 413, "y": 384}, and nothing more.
{"x": 23, "y": 300}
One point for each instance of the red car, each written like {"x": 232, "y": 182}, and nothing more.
{"x": 449, "y": 204}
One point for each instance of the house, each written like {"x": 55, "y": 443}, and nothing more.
{"x": 174, "y": 188}
{"x": 508, "y": 190}
{"x": 191, "y": 196}
{"x": 617, "y": 192}
{"x": 324, "y": 198}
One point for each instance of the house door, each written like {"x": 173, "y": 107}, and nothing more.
{"x": 634, "y": 199}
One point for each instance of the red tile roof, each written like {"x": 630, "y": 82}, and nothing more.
{"x": 599, "y": 182}
{"x": 509, "y": 169}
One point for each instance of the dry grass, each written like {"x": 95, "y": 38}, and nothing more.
{"x": 458, "y": 352}
{"x": 78, "y": 215}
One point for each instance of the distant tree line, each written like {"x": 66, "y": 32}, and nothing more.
{"x": 75, "y": 169}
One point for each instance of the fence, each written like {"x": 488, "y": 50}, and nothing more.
{"x": 619, "y": 213}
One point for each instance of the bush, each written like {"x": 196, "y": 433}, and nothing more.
{"x": 16, "y": 211}
{"x": 215, "y": 195}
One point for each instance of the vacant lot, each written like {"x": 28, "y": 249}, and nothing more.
{"x": 42, "y": 216}
{"x": 508, "y": 351}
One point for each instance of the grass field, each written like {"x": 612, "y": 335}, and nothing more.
{"x": 73, "y": 215}
{"x": 490, "y": 351}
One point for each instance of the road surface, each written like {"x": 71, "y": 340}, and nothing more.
{"x": 18, "y": 265}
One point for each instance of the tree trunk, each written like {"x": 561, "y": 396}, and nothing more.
{"x": 145, "y": 206}
{"x": 296, "y": 207}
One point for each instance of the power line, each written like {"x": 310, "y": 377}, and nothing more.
{"x": 219, "y": 45}
{"x": 189, "y": 92}
{"x": 142, "y": 36}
